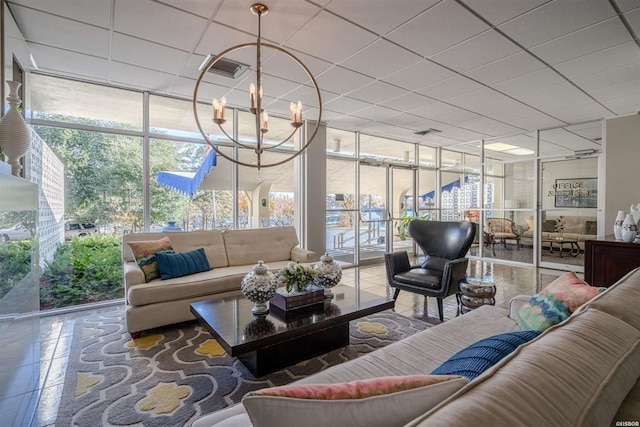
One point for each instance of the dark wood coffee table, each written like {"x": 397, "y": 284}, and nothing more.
{"x": 279, "y": 339}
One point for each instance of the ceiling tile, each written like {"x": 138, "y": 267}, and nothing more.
{"x": 184, "y": 88}
{"x": 597, "y": 62}
{"x": 144, "y": 54}
{"x": 419, "y": 75}
{"x": 482, "y": 96}
{"x": 349, "y": 122}
{"x": 340, "y": 80}
{"x": 307, "y": 95}
{"x": 507, "y": 110}
{"x": 476, "y": 51}
{"x": 375, "y": 113}
{"x": 551, "y": 96}
{"x": 488, "y": 126}
{"x": 556, "y": 19}
{"x": 408, "y": 102}
{"x": 506, "y": 68}
{"x": 381, "y": 17}
{"x": 284, "y": 19}
{"x": 438, "y": 28}
{"x": 345, "y": 105}
{"x": 272, "y": 86}
{"x": 633, "y": 17}
{"x": 615, "y": 77}
{"x": 626, "y": 5}
{"x": 530, "y": 82}
{"x": 377, "y": 92}
{"x": 450, "y": 88}
{"x": 136, "y": 77}
{"x": 403, "y": 119}
{"x": 624, "y": 105}
{"x": 158, "y": 22}
{"x": 600, "y": 36}
{"x": 204, "y": 9}
{"x": 72, "y": 63}
{"x": 212, "y": 43}
{"x": 191, "y": 71}
{"x": 95, "y": 12}
{"x": 499, "y": 11}
{"x": 619, "y": 91}
{"x": 312, "y": 38}
{"x": 536, "y": 121}
{"x": 44, "y": 28}
{"x": 281, "y": 65}
{"x": 456, "y": 115}
{"x": 433, "y": 110}
{"x": 380, "y": 59}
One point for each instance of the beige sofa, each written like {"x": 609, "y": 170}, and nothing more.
{"x": 579, "y": 228}
{"x": 231, "y": 254}
{"x": 581, "y": 372}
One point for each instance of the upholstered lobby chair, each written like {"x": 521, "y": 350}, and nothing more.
{"x": 499, "y": 230}
{"x": 445, "y": 245}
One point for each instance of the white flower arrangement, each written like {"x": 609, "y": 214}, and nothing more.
{"x": 296, "y": 276}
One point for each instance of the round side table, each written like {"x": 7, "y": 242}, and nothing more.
{"x": 475, "y": 293}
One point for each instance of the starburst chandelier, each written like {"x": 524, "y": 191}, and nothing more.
{"x": 256, "y": 92}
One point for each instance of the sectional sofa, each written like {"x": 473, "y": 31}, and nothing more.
{"x": 579, "y": 228}
{"x": 583, "y": 371}
{"x": 231, "y": 254}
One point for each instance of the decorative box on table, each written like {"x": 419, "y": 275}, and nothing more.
{"x": 294, "y": 300}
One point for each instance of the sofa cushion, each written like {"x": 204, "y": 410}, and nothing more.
{"x": 144, "y": 253}
{"x": 549, "y": 226}
{"x": 556, "y": 302}
{"x": 195, "y": 285}
{"x": 185, "y": 241}
{"x": 267, "y": 244}
{"x": 374, "y": 402}
{"x": 591, "y": 227}
{"x": 180, "y": 264}
{"x": 472, "y": 361}
{"x": 574, "y": 374}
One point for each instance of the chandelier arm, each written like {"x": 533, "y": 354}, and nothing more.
{"x": 258, "y": 112}
{"x": 232, "y": 139}
{"x": 281, "y": 142}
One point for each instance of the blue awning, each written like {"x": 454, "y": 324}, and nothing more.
{"x": 188, "y": 182}
{"x": 448, "y": 187}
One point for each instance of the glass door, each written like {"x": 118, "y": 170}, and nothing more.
{"x": 374, "y": 216}
{"x": 402, "y": 205}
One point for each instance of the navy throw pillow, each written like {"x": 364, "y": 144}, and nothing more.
{"x": 180, "y": 264}
{"x": 472, "y": 361}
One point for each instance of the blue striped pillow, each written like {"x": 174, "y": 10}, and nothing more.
{"x": 180, "y": 264}
{"x": 472, "y": 361}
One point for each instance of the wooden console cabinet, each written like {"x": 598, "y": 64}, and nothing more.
{"x": 607, "y": 260}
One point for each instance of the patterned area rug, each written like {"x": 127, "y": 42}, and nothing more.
{"x": 173, "y": 375}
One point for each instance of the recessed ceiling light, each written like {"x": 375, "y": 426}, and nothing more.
{"x": 225, "y": 67}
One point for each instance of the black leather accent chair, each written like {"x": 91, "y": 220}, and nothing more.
{"x": 445, "y": 245}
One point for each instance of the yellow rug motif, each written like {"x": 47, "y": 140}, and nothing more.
{"x": 85, "y": 382}
{"x": 211, "y": 348}
{"x": 146, "y": 342}
{"x": 163, "y": 398}
{"x": 372, "y": 328}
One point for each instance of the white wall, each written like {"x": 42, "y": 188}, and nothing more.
{"x": 621, "y": 144}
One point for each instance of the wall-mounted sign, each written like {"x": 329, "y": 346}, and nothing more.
{"x": 575, "y": 193}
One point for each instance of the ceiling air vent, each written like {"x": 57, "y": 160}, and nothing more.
{"x": 225, "y": 67}
{"x": 430, "y": 130}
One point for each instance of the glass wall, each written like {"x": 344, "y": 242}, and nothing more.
{"x": 342, "y": 209}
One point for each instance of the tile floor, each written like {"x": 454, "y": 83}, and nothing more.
{"x": 44, "y": 367}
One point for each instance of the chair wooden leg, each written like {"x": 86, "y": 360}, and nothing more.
{"x": 395, "y": 294}
{"x": 440, "y": 314}
{"x": 136, "y": 335}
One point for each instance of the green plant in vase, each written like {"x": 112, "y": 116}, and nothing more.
{"x": 402, "y": 224}
{"x": 296, "y": 276}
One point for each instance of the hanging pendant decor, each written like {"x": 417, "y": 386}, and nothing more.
{"x": 15, "y": 135}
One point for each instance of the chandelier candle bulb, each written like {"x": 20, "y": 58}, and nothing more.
{"x": 265, "y": 122}
{"x": 219, "y": 110}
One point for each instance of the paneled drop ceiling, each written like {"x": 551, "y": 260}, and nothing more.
{"x": 471, "y": 69}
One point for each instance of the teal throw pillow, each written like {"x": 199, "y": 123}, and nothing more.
{"x": 472, "y": 361}
{"x": 180, "y": 264}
